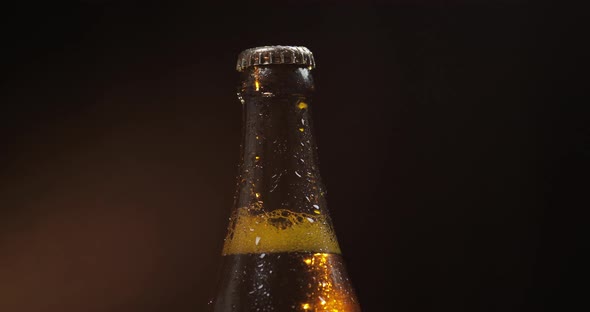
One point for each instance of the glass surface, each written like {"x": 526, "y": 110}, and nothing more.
{"x": 281, "y": 252}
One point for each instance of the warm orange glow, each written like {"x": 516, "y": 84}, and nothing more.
{"x": 301, "y": 129}
{"x": 257, "y": 195}
{"x": 257, "y": 157}
{"x": 257, "y": 85}
{"x": 327, "y": 295}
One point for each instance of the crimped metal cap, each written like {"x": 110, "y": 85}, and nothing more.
{"x": 269, "y": 55}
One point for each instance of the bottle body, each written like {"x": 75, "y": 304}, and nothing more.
{"x": 285, "y": 281}
{"x": 281, "y": 252}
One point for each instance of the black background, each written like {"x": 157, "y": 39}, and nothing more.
{"x": 441, "y": 136}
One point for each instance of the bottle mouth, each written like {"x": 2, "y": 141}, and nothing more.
{"x": 275, "y": 55}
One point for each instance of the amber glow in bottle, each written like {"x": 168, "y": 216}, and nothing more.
{"x": 281, "y": 252}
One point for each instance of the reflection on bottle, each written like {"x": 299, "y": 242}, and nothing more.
{"x": 286, "y": 281}
{"x": 330, "y": 292}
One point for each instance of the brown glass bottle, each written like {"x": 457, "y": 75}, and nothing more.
{"x": 280, "y": 253}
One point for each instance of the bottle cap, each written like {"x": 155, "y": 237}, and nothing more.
{"x": 270, "y": 55}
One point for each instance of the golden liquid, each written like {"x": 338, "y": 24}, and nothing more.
{"x": 255, "y": 231}
{"x": 291, "y": 281}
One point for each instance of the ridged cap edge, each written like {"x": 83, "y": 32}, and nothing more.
{"x": 270, "y": 55}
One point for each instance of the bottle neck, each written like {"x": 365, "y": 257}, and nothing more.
{"x": 279, "y": 162}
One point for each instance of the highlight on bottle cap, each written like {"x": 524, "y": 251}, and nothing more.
{"x": 270, "y": 55}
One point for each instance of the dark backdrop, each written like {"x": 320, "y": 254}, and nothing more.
{"x": 438, "y": 125}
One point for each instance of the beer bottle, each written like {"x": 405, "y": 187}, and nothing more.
{"x": 281, "y": 252}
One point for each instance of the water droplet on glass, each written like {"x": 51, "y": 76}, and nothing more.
{"x": 257, "y": 240}
{"x": 262, "y": 256}
{"x": 241, "y": 99}
{"x": 274, "y": 187}
{"x": 297, "y": 173}
{"x": 316, "y": 206}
